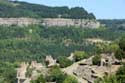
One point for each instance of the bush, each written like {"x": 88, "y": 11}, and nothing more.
{"x": 56, "y": 75}
{"x": 70, "y": 79}
{"x": 121, "y": 74}
{"x": 120, "y": 53}
{"x": 64, "y": 62}
{"x": 96, "y": 60}
{"x": 79, "y": 55}
{"x": 107, "y": 79}
{"x": 122, "y": 44}
{"x": 40, "y": 79}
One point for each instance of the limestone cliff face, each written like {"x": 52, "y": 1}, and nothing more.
{"x": 51, "y": 22}
{"x": 71, "y": 22}
{"x": 18, "y": 21}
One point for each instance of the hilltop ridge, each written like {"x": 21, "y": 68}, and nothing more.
{"x": 15, "y": 9}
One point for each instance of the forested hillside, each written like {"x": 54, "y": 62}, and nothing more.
{"x": 114, "y": 23}
{"x": 23, "y": 9}
{"x": 35, "y": 41}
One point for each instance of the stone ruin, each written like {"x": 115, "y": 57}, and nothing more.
{"x": 91, "y": 72}
{"x": 37, "y": 66}
{"x": 21, "y": 72}
{"x": 50, "y": 61}
{"x": 71, "y": 57}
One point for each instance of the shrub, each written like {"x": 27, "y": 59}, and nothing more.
{"x": 120, "y": 53}
{"x": 121, "y": 74}
{"x": 107, "y": 79}
{"x": 96, "y": 60}
{"x": 79, "y": 55}
{"x": 40, "y": 79}
{"x": 56, "y": 75}
{"x": 70, "y": 79}
{"x": 122, "y": 44}
{"x": 64, "y": 62}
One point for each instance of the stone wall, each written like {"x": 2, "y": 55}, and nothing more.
{"x": 51, "y": 22}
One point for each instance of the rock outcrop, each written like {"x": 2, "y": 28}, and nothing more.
{"x": 84, "y": 23}
{"x": 71, "y": 22}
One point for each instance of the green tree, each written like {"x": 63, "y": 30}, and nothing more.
{"x": 79, "y": 55}
{"x": 70, "y": 79}
{"x": 56, "y": 75}
{"x": 64, "y": 62}
{"x": 120, "y": 53}
{"x": 40, "y": 79}
{"x": 122, "y": 43}
{"x": 96, "y": 60}
{"x": 108, "y": 79}
{"x": 121, "y": 74}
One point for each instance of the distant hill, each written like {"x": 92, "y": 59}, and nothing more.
{"x": 10, "y": 8}
{"x": 114, "y": 23}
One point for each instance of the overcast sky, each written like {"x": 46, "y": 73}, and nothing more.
{"x": 104, "y": 9}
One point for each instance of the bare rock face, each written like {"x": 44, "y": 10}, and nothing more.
{"x": 71, "y": 22}
{"x": 18, "y": 21}
{"x": 83, "y": 23}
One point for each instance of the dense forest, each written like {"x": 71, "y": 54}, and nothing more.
{"x": 23, "y": 9}
{"x": 113, "y": 23}
{"x": 34, "y": 42}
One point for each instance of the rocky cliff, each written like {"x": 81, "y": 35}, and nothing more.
{"x": 51, "y": 22}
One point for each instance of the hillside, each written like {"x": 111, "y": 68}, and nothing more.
{"x": 42, "y": 44}
{"x": 23, "y": 9}
{"x": 114, "y": 23}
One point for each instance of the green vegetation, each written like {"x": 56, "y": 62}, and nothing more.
{"x": 7, "y": 72}
{"x": 121, "y": 74}
{"x": 119, "y": 77}
{"x": 23, "y": 9}
{"x": 79, "y": 55}
{"x": 17, "y": 43}
{"x": 70, "y": 79}
{"x": 55, "y": 75}
{"x": 120, "y": 53}
{"x": 64, "y": 62}
{"x": 29, "y": 72}
{"x": 40, "y": 79}
{"x": 116, "y": 23}
{"x": 96, "y": 60}
{"x": 108, "y": 79}
{"x": 34, "y": 42}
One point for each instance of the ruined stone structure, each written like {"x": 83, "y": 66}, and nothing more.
{"x": 71, "y": 57}
{"x": 50, "y": 61}
{"x": 51, "y": 22}
{"x": 21, "y": 72}
{"x": 86, "y": 72}
{"x": 37, "y": 66}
